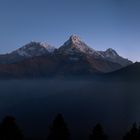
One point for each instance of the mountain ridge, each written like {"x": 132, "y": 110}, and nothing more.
{"x": 74, "y": 57}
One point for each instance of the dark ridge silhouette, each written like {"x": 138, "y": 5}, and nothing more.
{"x": 128, "y": 73}
{"x": 59, "y": 129}
{"x": 98, "y": 133}
{"x": 9, "y": 130}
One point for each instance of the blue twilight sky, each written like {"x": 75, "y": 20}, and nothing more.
{"x": 101, "y": 24}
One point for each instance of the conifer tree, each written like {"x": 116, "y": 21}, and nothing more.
{"x": 98, "y": 133}
{"x": 133, "y": 134}
{"x": 9, "y": 130}
{"x": 59, "y": 129}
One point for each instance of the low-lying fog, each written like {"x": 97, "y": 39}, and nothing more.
{"x": 83, "y": 103}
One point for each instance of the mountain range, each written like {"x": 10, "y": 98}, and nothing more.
{"x": 74, "y": 57}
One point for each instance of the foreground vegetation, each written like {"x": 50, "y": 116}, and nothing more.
{"x": 9, "y": 130}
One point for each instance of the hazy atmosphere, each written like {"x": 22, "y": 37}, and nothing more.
{"x": 101, "y": 23}
{"x": 82, "y": 102}
{"x": 69, "y": 69}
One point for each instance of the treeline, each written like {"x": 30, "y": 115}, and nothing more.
{"x": 9, "y": 130}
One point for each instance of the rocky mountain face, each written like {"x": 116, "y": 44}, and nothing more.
{"x": 74, "y": 57}
{"x": 103, "y": 61}
{"x": 74, "y": 44}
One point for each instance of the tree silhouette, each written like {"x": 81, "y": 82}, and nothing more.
{"x": 9, "y": 129}
{"x": 133, "y": 134}
{"x": 59, "y": 130}
{"x": 98, "y": 133}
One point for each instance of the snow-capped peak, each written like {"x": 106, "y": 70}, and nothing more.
{"x": 34, "y": 49}
{"x": 48, "y": 47}
{"x": 75, "y": 39}
{"x": 75, "y": 44}
{"x": 111, "y": 52}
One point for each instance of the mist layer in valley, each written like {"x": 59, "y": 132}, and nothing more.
{"x": 83, "y": 103}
